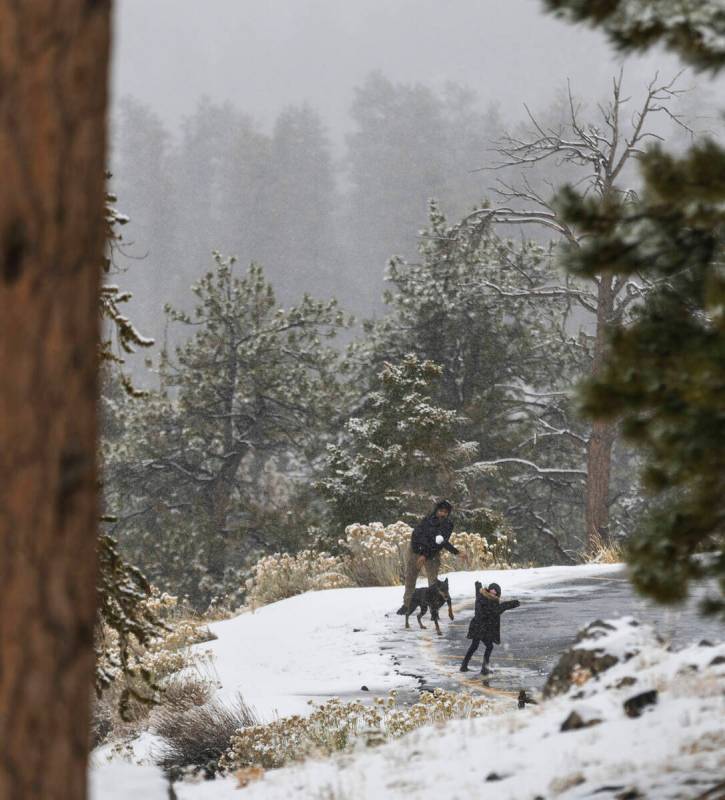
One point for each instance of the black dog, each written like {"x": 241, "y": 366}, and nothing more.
{"x": 432, "y": 597}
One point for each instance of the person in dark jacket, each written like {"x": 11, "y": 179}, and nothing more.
{"x": 429, "y": 537}
{"x": 486, "y": 623}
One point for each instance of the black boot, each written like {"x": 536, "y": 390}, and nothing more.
{"x": 464, "y": 664}
{"x": 484, "y": 669}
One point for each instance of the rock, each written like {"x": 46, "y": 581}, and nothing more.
{"x": 364, "y": 688}
{"x": 629, "y": 794}
{"x": 627, "y": 680}
{"x": 494, "y": 776}
{"x": 717, "y": 660}
{"x": 706, "y": 643}
{"x": 637, "y": 704}
{"x": 577, "y": 665}
{"x": 590, "y": 654}
{"x": 575, "y": 721}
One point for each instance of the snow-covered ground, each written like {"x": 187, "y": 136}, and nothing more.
{"x": 675, "y": 749}
{"x": 324, "y": 644}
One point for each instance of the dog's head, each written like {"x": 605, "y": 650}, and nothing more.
{"x": 442, "y": 589}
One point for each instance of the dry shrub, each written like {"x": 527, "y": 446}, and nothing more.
{"x": 284, "y": 575}
{"x": 603, "y": 551}
{"x": 483, "y": 552}
{"x": 377, "y": 555}
{"x": 154, "y": 664}
{"x": 374, "y": 555}
{"x": 195, "y": 738}
{"x": 185, "y": 691}
{"x": 248, "y": 775}
{"x": 335, "y": 726}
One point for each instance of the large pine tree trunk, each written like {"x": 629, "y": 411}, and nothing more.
{"x": 601, "y": 439}
{"x": 53, "y": 73}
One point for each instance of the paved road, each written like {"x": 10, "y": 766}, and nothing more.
{"x": 535, "y": 634}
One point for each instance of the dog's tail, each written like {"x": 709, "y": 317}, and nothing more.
{"x": 402, "y": 610}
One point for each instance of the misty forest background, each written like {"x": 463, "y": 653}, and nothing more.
{"x": 368, "y": 336}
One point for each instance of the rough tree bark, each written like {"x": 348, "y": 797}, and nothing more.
{"x": 53, "y": 75}
{"x": 603, "y": 433}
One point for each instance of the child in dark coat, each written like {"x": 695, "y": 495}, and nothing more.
{"x": 486, "y": 624}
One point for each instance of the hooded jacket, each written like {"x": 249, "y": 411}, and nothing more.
{"x": 486, "y": 623}
{"x": 423, "y": 539}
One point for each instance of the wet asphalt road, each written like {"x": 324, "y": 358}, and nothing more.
{"x": 534, "y": 634}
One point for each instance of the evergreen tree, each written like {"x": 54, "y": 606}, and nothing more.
{"x": 144, "y": 178}
{"x": 301, "y": 248}
{"x": 254, "y": 383}
{"x": 53, "y": 105}
{"x": 122, "y": 588}
{"x": 401, "y": 453}
{"x": 694, "y": 29}
{"x": 409, "y": 144}
{"x": 492, "y": 315}
{"x": 664, "y": 375}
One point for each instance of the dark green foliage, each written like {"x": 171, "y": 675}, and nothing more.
{"x": 665, "y": 373}
{"x": 118, "y": 327}
{"x": 122, "y": 588}
{"x": 203, "y": 468}
{"x": 122, "y": 610}
{"x": 401, "y": 453}
{"x": 694, "y": 29}
{"x": 492, "y": 314}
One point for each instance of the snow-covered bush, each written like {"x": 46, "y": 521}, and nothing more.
{"x": 335, "y": 726}
{"x": 377, "y": 555}
{"x": 284, "y": 575}
{"x": 373, "y": 555}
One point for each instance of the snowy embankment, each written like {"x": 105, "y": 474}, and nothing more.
{"x": 650, "y": 725}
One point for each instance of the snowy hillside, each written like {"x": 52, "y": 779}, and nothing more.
{"x": 334, "y": 643}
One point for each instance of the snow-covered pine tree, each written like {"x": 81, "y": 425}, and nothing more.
{"x": 492, "y": 314}
{"x": 254, "y": 384}
{"x": 597, "y": 152}
{"x": 402, "y": 452}
{"x": 664, "y": 375}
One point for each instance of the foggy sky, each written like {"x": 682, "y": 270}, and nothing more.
{"x": 262, "y": 56}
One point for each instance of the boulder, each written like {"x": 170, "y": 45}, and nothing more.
{"x": 579, "y": 719}
{"x": 637, "y": 704}
{"x": 597, "y": 648}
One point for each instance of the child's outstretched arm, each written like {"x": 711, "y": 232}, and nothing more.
{"x": 509, "y": 604}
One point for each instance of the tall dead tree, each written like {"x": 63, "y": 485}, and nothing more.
{"x": 53, "y": 94}
{"x": 597, "y": 153}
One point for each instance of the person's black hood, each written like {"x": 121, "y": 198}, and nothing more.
{"x": 443, "y": 504}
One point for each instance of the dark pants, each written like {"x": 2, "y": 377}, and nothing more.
{"x": 472, "y": 649}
